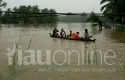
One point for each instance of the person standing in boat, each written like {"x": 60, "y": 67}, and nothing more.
{"x": 62, "y": 33}
{"x": 100, "y": 24}
{"x": 55, "y": 32}
{"x": 86, "y": 34}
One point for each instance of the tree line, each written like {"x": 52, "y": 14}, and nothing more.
{"x": 24, "y": 14}
{"x": 113, "y": 9}
{"x": 73, "y": 18}
{"x": 21, "y": 17}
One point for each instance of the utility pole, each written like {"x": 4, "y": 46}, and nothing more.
{"x": 114, "y": 15}
{"x": 114, "y": 8}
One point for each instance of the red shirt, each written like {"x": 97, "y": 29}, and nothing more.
{"x": 75, "y": 36}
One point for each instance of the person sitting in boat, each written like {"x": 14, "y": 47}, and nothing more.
{"x": 76, "y": 35}
{"x": 55, "y": 32}
{"x": 62, "y": 33}
{"x": 70, "y": 34}
{"x": 86, "y": 34}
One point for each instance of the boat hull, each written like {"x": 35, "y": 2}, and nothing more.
{"x": 80, "y": 39}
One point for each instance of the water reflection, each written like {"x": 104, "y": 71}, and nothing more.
{"x": 96, "y": 30}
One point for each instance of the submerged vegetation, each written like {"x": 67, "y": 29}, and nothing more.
{"x": 113, "y": 10}
{"x": 118, "y": 35}
{"x": 121, "y": 28}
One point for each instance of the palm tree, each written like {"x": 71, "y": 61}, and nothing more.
{"x": 118, "y": 6}
{"x": 2, "y": 4}
{"x": 109, "y": 7}
{"x": 114, "y": 7}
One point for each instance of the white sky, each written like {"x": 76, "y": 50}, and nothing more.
{"x": 75, "y": 6}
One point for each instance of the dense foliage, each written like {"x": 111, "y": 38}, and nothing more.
{"x": 114, "y": 9}
{"x": 93, "y": 18}
{"x": 28, "y": 14}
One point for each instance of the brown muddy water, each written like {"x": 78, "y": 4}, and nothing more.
{"x": 36, "y": 37}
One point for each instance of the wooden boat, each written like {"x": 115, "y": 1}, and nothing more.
{"x": 80, "y": 39}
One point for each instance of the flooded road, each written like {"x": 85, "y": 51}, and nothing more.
{"x": 69, "y": 60}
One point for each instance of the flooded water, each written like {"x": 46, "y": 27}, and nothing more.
{"x": 36, "y": 37}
